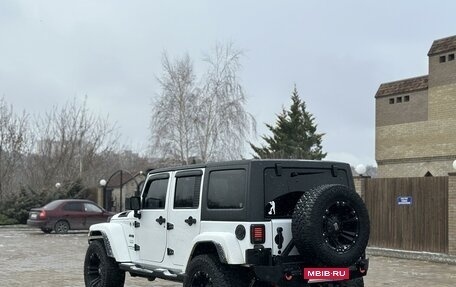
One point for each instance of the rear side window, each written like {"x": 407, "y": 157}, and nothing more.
{"x": 89, "y": 207}
{"x": 282, "y": 191}
{"x": 156, "y": 194}
{"x": 187, "y": 192}
{"x": 73, "y": 206}
{"x": 226, "y": 189}
{"x": 52, "y": 205}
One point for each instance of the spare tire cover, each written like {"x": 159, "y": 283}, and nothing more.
{"x": 330, "y": 226}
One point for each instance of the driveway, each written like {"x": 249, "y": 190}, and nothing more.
{"x": 32, "y": 258}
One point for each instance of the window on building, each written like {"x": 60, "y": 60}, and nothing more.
{"x": 442, "y": 59}
{"x": 450, "y": 57}
{"x": 406, "y": 98}
{"x": 391, "y": 101}
{"x": 399, "y": 100}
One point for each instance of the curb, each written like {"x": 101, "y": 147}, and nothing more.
{"x": 412, "y": 255}
{"x": 15, "y": 226}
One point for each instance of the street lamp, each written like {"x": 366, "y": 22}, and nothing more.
{"x": 360, "y": 169}
{"x": 58, "y": 185}
{"x": 103, "y": 185}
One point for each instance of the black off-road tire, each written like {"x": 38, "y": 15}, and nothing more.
{"x": 330, "y": 226}
{"x": 207, "y": 271}
{"x": 61, "y": 227}
{"x": 100, "y": 270}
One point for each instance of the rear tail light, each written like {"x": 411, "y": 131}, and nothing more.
{"x": 42, "y": 214}
{"x": 257, "y": 234}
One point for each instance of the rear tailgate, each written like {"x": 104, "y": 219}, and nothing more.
{"x": 281, "y": 237}
{"x": 34, "y": 213}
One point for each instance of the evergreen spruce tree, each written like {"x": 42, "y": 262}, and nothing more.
{"x": 293, "y": 136}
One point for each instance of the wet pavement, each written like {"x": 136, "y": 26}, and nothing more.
{"x": 29, "y": 257}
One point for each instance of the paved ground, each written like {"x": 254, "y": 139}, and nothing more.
{"x": 30, "y": 258}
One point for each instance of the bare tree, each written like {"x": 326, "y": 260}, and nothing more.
{"x": 174, "y": 112}
{"x": 69, "y": 140}
{"x": 13, "y": 145}
{"x": 223, "y": 124}
{"x": 124, "y": 159}
{"x": 205, "y": 119}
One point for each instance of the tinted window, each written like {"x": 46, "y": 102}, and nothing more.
{"x": 89, "y": 207}
{"x": 156, "y": 194}
{"x": 73, "y": 206}
{"x": 187, "y": 191}
{"x": 226, "y": 189}
{"x": 281, "y": 192}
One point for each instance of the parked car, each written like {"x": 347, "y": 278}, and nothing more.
{"x": 67, "y": 214}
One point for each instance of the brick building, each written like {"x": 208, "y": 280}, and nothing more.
{"x": 415, "y": 125}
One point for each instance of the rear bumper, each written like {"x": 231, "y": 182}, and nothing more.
{"x": 38, "y": 223}
{"x": 288, "y": 271}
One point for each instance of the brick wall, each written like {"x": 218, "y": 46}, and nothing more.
{"x": 360, "y": 184}
{"x": 413, "y": 148}
{"x": 441, "y": 74}
{"x": 452, "y": 213}
{"x": 442, "y": 102}
{"x": 414, "y": 140}
{"x": 419, "y": 136}
{"x": 415, "y": 110}
{"x": 415, "y": 167}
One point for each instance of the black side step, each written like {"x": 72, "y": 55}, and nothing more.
{"x": 137, "y": 270}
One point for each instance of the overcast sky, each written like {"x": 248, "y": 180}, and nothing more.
{"x": 336, "y": 52}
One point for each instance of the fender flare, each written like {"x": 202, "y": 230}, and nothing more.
{"x": 113, "y": 238}
{"x": 226, "y": 245}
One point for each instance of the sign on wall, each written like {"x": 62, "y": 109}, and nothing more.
{"x": 404, "y": 200}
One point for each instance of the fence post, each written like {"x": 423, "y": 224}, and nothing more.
{"x": 100, "y": 195}
{"x": 452, "y": 213}
{"x": 360, "y": 184}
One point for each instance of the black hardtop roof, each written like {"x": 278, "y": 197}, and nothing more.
{"x": 312, "y": 163}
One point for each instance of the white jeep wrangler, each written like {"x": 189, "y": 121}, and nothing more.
{"x": 240, "y": 223}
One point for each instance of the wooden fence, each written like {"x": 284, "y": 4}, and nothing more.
{"x": 420, "y": 225}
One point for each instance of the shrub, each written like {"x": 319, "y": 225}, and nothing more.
{"x": 4, "y": 220}
{"x": 16, "y": 208}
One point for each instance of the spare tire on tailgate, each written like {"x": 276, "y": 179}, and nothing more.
{"x": 330, "y": 226}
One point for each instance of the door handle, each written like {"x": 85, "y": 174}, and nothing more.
{"x": 160, "y": 220}
{"x": 190, "y": 221}
{"x": 169, "y": 226}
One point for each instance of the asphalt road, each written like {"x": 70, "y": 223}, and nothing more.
{"x": 29, "y": 257}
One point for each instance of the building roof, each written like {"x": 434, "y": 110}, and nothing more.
{"x": 443, "y": 45}
{"x": 402, "y": 86}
